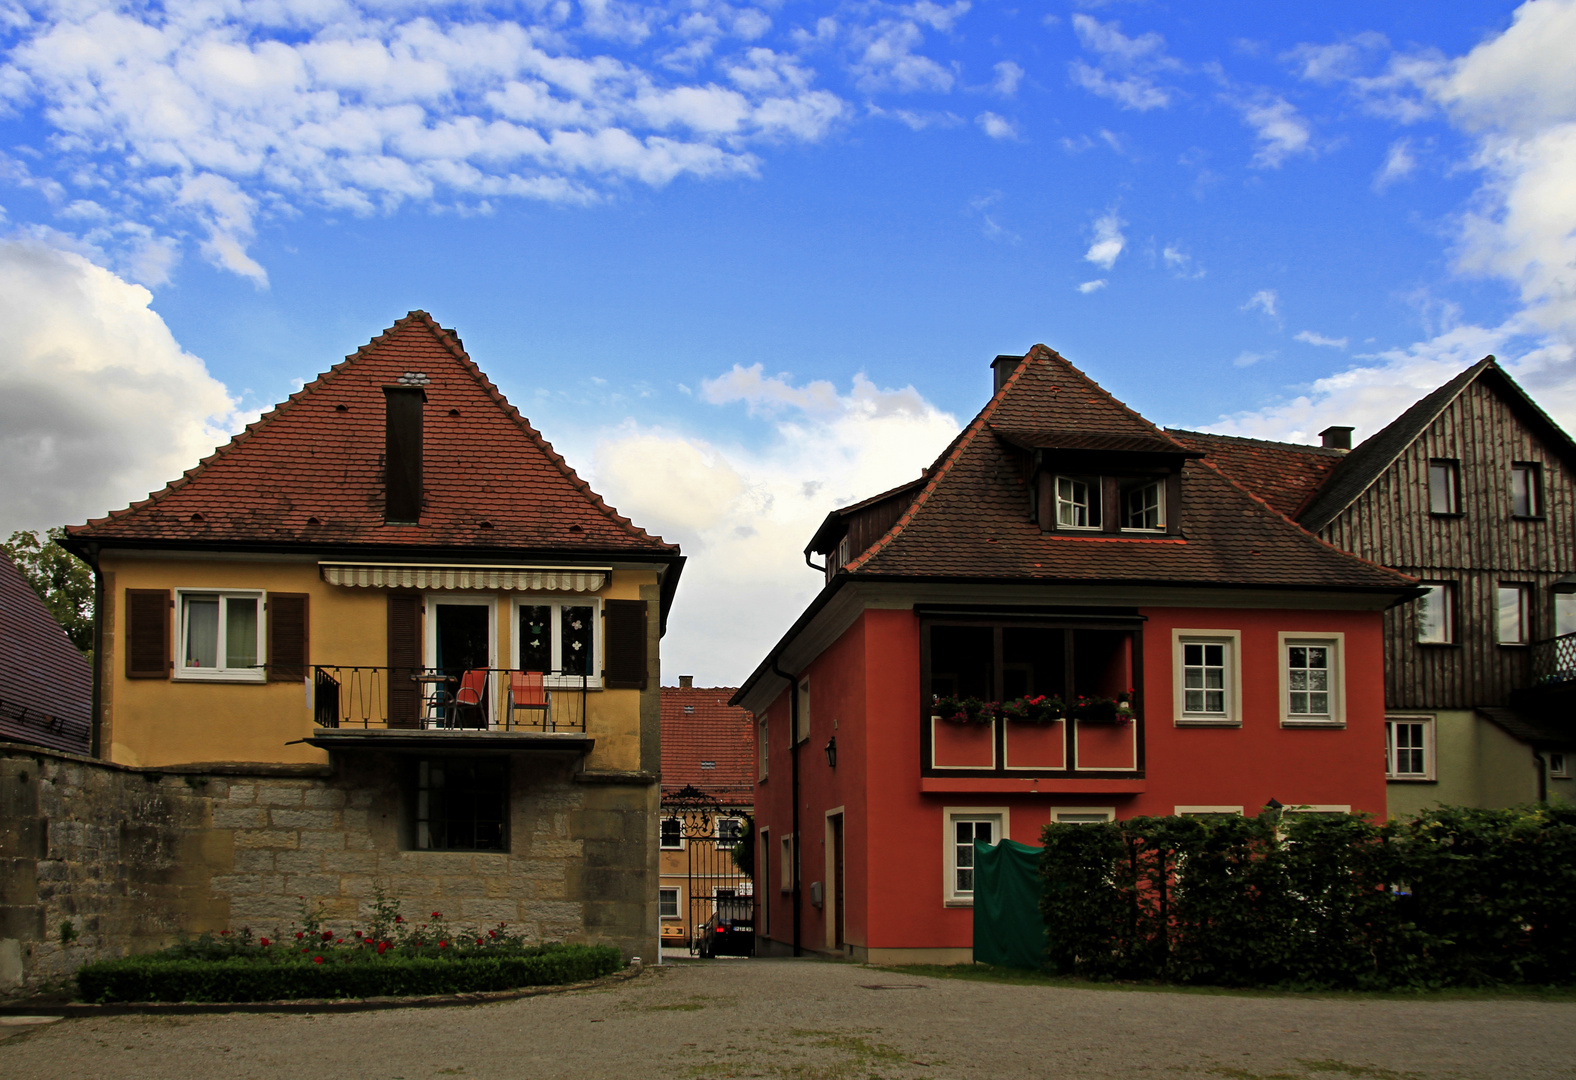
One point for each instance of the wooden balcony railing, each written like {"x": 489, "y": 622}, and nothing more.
{"x": 1554, "y": 660}
{"x": 471, "y": 699}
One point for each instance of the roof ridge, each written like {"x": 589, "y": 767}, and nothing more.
{"x": 1129, "y": 410}
{"x": 1322, "y": 451}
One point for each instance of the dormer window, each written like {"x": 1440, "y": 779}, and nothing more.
{"x": 1077, "y": 502}
{"x": 1143, "y": 505}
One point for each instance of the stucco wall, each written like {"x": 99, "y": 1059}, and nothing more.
{"x": 1476, "y": 764}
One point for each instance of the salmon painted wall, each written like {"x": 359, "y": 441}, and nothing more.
{"x": 869, "y": 682}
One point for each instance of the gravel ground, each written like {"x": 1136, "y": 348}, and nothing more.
{"x": 809, "y": 1020}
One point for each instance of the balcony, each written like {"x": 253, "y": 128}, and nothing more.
{"x": 476, "y": 708}
{"x": 1553, "y": 690}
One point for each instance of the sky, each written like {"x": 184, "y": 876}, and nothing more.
{"x": 743, "y": 263}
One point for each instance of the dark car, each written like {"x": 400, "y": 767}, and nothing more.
{"x": 731, "y": 929}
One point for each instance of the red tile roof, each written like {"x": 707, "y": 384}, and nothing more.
{"x": 46, "y": 686}
{"x": 971, "y": 519}
{"x": 1285, "y": 475}
{"x": 310, "y": 470}
{"x": 699, "y": 726}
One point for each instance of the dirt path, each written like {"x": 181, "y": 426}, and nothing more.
{"x": 806, "y": 1020}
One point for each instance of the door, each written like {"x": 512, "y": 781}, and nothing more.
{"x": 838, "y": 923}
{"x": 460, "y": 642}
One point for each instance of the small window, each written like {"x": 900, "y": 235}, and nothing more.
{"x": 1143, "y": 505}
{"x": 1564, "y": 613}
{"x": 1409, "y": 749}
{"x": 689, "y": 710}
{"x": 1559, "y": 766}
{"x": 1081, "y": 815}
{"x": 1513, "y": 623}
{"x": 672, "y": 834}
{"x": 708, "y": 764}
{"x": 804, "y": 711}
{"x": 764, "y": 748}
{"x": 965, "y": 828}
{"x": 788, "y": 876}
{"x": 668, "y": 903}
{"x": 461, "y": 804}
{"x": 1311, "y": 680}
{"x": 728, "y": 832}
{"x": 1436, "y": 614}
{"x": 1204, "y": 678}
{"x": 1444, "y": 486}
{"x": 1078, "y": 502}
{"x": 1526, "y": 498}
{"x": 219, "y": 636}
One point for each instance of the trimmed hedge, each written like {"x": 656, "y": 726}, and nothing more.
{"x": 165, "y": 978}
{"x": 1457, "y": 897}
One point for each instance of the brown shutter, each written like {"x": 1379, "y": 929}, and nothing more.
{"x": 287, "y": 637}
{"x": 624, "y": 655}
{"x": 404, "y": 693}
{"x": 148, "y": 633}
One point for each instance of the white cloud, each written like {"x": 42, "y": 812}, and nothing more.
{"x": 1265, "y": 300}
{"x": 1310, "y": 337}
{"x": 98, "y": 403}
{"x": 744, "y": 516}
{"x": 1280, "y": 128}
{"x": 1398, "y": 163}
{"x": 997, "y": 127}
{"x": 1125, "y": 68}
{"x": 1096, "y": 285}
{"x": 1008, "y": 76}
{"x": 1248, "y": 359}
{"x": 887, "y": 60}
{"x": 1180, "y": 263}
{"x": 992, "y": 229}
{"x": 1108, "y": 241}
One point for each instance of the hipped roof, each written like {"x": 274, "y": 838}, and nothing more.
{"x": 699, "y": 726}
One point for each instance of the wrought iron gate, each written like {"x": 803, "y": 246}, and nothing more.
{"x": 714, "y": 884}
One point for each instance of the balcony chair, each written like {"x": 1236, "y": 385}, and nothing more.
{"x": 470, "y": 699}
{"x": 528, "y": 691}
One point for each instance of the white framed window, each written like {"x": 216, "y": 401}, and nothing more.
{"x": 963, "y": 826}
{"x": 1564, "y": 613}
{"x": 1206, "y": 811}
{"x": 1444, "y": 486}
{"x": 763, "y": 748}
{"x": 1077, "y": 502}
{"x": 1409, "y": 748}
{"x": 1144, "y": 505}
{"x": 1513, "y": 623}
{"x": 668, "y": 903}
{"x": 1206, "y": 677}
{"x": 1318, "y": 808}
{"x": 219, "y": 635}
{"x": 1525, "y": 497}
{"x": 1312, "y": 683}
{"x": 804, "y": 711}
{"x": 788, "y": 876}
{"x": 672, "y": 834}
{"x": 1082, "y": 815}
{"x": 1436, "y": 613}
{"x": 1559, "y": 765}
{"x": 560, "y": 637}
{"x": 728, "y": 831}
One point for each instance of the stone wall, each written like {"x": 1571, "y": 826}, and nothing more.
{"x": 129, "y": 857}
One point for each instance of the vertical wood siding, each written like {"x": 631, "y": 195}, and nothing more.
{"x": 1390, "y": 523}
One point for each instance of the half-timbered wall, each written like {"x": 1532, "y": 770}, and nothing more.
{"x": 1390, "y": 523}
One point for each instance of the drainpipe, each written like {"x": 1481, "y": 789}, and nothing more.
{"x": 793, "y": 754}
{"x": 1543, "y": 775}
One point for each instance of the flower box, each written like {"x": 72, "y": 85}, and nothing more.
{"x": 961, "y": 745}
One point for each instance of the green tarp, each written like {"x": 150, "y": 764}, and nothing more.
{"x": 1008, "y": 929}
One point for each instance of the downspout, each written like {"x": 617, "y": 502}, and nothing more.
{"x": 793, "y": 754}
{"x": 1543, "y": 775}
{"x": 812, "y": 566}
{"x": 96, "y": 697}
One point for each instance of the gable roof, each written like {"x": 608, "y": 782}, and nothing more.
{"x": 699, "y": 726}
{"x": 309, "y": 471}
{"x": 1285, "y": 475}
{"x": 1369, "y": 461}
{"x": 971, "y": 518}
{"x": 46, "y": 686}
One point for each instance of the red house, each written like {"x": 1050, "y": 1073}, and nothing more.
{"x": 1178, "y": 645}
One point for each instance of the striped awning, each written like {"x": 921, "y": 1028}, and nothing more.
{"x": 443, "y": 576}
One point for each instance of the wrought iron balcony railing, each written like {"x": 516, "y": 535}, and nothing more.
{"x": 1554, "y": 660}
{"x": 457, "y": 699}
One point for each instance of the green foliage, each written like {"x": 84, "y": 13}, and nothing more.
{"x": 1456, "y": 897}
{"x": 68, "y": 932}
{"x": 744, "y": 847}
{"x": 62, "y": 581}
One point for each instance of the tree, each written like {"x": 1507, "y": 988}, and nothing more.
{"x": 62, "y": 581}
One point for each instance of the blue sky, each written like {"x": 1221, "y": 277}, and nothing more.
{"x": 1241, "y": 216}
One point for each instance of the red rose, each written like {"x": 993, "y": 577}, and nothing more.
{"x": 399, "y": 918}
{"x": 478, "y": 941}
{"x": 443, "y": 944}
{"x": 298, "y": 935}
{"x": 317, "y": 959}
{"x": 358, "y": 933}
{"x": 492, "y": 933}
{"x": 435, "y": 915}
{"x": 381, "y": 946}
{"x": 264, "y": 942}
{"x": 328, "y": 935}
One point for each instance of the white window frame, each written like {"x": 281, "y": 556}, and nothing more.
{"x": 1561, "y": 769}
{"x": 669, "y": 847}
{"x": 1447, "y": 590}
{"x": 803, "y": 732}
{"x": 763, "y": 733}
{"x": 786, "y": 879}
{"x": 254, "y": 674}
{"x": 1318, "y": 808}
{"x": 1232, "y": 641}
{"x": 430, "y": 602}
{"x": 677, "y": 902}
{"x": 1523, "y": 593}
{"x": 1124, "y": 490}
{"x": 1335, "y": 642}
{"x": 1081, "y": 815}
{"x": 559, "y": 601}
{"x": 1000, "y": 816}
{"x": 1390, "y": 749}
{"x": 1205, "y": 811}
{"x": 1092, "y": 508}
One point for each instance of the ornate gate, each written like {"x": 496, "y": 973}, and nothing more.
{"x": 714, "y": 884}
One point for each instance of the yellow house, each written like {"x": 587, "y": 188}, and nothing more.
{"x": 412, "y": 650}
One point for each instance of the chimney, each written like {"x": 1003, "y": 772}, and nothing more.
{"x": 1336, "y": 437}
{"x": 402, "y": 448}
{"x": 1004, "y": 366}
{"x": 686, "y": 682}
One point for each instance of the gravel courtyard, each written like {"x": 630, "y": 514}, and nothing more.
{"x": 809, "y": 1020}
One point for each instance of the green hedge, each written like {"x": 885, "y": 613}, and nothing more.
{"x": 166, "y": 978}
{"x": 1457, "y": 897}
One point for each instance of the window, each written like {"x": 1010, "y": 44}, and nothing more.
{"x": 763, "y": 748}
{"x": 1409, "y": 748}
{"x": 560, "y": 639}
{"x": 1436, "y": 614}
{"x": 460, "y": 804}
{"x": 219, "y": 636}
{"x": 1207, "y": 811}
{"x": 788, "y": 876}
{"x": 728, "y": 832}
{"x": 1143, "y": 505}
{"x": 1514, "y": 622}
{"x": 1564, "y": 613}
{"x": 1207, "y": 683}
{"x": 1559, "y": 765}
{"x": 1311, "y": 680}
{"x": 668, "y": 903}
{"x": 804, "y": 710}
{"x": 964, "y": 827}
{"x": 1078, "y": 502}
{"x": 1444, "y": 486}
{"x": 1525, "y": 495}
{"x": 672, "y": 834}
{"x": 1083, "y": 815}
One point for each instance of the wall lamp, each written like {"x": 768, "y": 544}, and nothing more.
{"x": 831, "y": 752}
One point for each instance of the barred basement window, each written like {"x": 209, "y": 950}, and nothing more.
{"x": 460, "y": 804}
